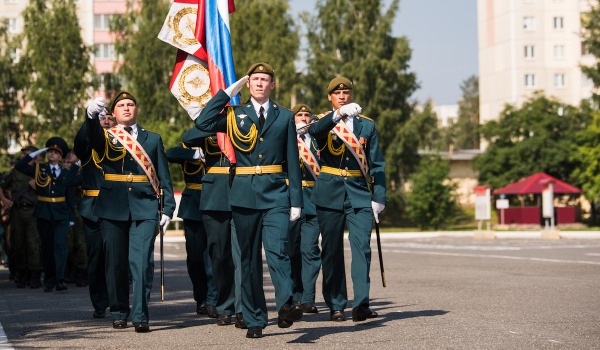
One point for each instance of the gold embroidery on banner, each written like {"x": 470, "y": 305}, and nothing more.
{"x": 178, "y": 37}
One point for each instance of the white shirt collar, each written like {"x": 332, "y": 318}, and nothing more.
{"x": 257, "y": 107}
{"x": 134, "y": 130}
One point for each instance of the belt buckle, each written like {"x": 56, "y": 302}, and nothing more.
{"x": 53, "y": 200}
{"x": 304, "y": 183}
{"x": 344, "y": 172}
{"x": 129, "y": 177}
{"x": 258, "y": 170}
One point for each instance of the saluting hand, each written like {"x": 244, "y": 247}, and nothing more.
{"x": 236, "y": 87}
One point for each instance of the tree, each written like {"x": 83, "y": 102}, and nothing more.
{"x": 431, "y": 202}
{"x": 536, "y": 137}
{"x": 591, "y": 40}
{"x": 263, "y": 31}
{"x": 466, "y": 129}
{"x": 59, "y": 69}
{"x": 586, "y": 153}
{"x": 11, "y": 84}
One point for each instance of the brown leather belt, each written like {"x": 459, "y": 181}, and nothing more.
{"x": 341, "y": 172}
{"x": 51, "y": 199}
{"x": 91, "y": 193}
{"x": 126, "y": 178}
{"x": 193, "y": 186}
{"x": 258, "y": 169}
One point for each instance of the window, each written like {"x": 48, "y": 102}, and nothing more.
{"x": 529, "y": 80}
{"x": 559, "y": 80}
{"x": 584, "y": 49}
{"x": 102, "y": 21}
{"x": 529, "y": 51}
{"x": 12, "y": 25}
{"x": 559, "y": 52}
{"x": 105, "y": 52}
{"x": 528, "y": 23}
{"x": 558, "y": 22}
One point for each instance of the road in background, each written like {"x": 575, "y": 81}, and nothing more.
{"x": 442, "y": 292}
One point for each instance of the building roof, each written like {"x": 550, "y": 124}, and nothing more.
{"x": 535, "y": 184}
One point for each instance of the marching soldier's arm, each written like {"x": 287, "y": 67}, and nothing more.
{"x": 293, "y": 167}
{"x": 377, "y": 168}
{"x": 164, "y": 176}
{"x": 195, "y": 137}
{"x": 180, "y": 155}
{"x": 322, "y": 127}
{"x": 80, "y": 144}
{"x": 95, "y": 135}
{"x": 213, "y": 117}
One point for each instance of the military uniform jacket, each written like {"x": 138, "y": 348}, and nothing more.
{"x": 124, "y": 201}
{"x": 309, "y": 207}
{"x": 91, "y": 173}
{"x": 275, "y": 145}
{"x": 330, "y": 190}
{"x": 193, "y": 170}
{"x": 51, "y": 188}
{"x": 215, "y": 187}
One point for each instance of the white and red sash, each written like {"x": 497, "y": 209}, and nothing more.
{"x": 354, "y": 146}
{"x": 308, "y": 158}
{"x": 137, "y": 152}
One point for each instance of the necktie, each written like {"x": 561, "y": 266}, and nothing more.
{"x": 128, "y": 129}
{"x": 261, "y": 117}
{"x": 54, "y": 172}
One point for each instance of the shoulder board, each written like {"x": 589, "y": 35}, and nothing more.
{"x": 364, "y": 117}
{"x": 322, "y": 114}
{"x": 284, "y": 108}
{"x": 151, "y": 131}
{"x": 238, "y": 105}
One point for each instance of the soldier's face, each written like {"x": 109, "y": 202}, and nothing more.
{"x": 302, "y": 117}
{"x": 108, "y": 122}
{"x": 125, "y": 112}
{"x": 54, "y": 156}
{"x": 260, "y": 85}
{"x": 339, "y": 98}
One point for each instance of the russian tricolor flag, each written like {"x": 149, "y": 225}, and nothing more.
{"x": 204, "y": 62}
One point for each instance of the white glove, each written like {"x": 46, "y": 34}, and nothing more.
{"x": 71, "y": 223}
{"x": 164, "y": 222}
{"x": 295, "y": 213}
{"x": 377, "y": 208}
{"x": 95, "y": 108}
{"x": 301, "y": 128}
{"x": 199, "y": 154}
{"x": 350, "y": 110}
{"x": 236, "y": 87}
{"x": 38, "y": 152}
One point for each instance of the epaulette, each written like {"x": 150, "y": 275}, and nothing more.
{"x": 238, "y": 105}
{"x": 287, "y": 109}
{"x": 322, "y": 114}
{"x": 151, "y": 131}
{"x": 367, "y": 118}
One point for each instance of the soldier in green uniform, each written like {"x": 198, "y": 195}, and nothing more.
{"x": 263, "y": 135}
{"x": 303, "y": 244}
{"x": 92, "y": 178}
{"x": 135, "y": 168}
{"x": 223, "y": 247}
{"x": 350, "y": 158}
{"x": 198, "y": 266}
{"x": 24, "y": 236}
{"x": 51, "y": 209}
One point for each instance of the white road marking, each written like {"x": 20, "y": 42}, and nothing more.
{"x": 4, "y": 344}
{"x": 593, "y": 254}
{"x": 507, "y": 257}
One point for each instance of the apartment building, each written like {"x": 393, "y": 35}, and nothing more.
{"x": 530, "y": 45}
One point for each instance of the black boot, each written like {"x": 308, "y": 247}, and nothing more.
{"x": 21, "y": 278}
{"x": 81, "y": 278}
{"x": 35, "y": 279}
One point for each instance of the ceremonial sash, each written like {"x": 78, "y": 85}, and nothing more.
{"x": 137, "y": 152}
{"x": 354, "y": 146}
{"x": 308, "y": 158}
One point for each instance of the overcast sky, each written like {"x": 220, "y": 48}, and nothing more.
{"x": 443, "y": 36}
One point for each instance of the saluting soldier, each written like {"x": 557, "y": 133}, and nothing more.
{"x": 303, "y": 246}
{"x": 350, "y": 159}
{"x": 92, "y": 178}
{"x": 51, "y": 209}
{"x": 135, "y": 169}
{"x": 198, "y": 265}
{"x": 263, "y": 135}
{"x": 223, "y": 246}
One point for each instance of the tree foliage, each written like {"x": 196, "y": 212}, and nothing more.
{"x": 432, "y": 202}
{"x": 590, "y": 22}
{"x": 263, "y": 31}
{"x": 59, "y": 70}
{"x": 11, "y": 82}
{"x": 536, "y": 137}
{"x": 466, "y": 130}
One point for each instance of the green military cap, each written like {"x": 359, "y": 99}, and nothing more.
{"x": 261, "y": 67}
{"x": 301, "y": 107}
{"x": 58, "y": 144}
{"x": 339, "y": 83}
{"x": 123, "y": 95}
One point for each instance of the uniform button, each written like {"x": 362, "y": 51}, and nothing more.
{"x": 260, "y": 156}
{"x": 347, "y": 158}
{"x": 261, "y": 139}
{"x": 130, "y": 188}
{"x": 52, "y": 191}
{"x": 345, "y": 178}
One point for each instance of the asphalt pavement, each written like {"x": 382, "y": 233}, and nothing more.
{"x": 444, "y": 291}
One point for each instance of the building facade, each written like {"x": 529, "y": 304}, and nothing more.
{"x": 527, "y": 46}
